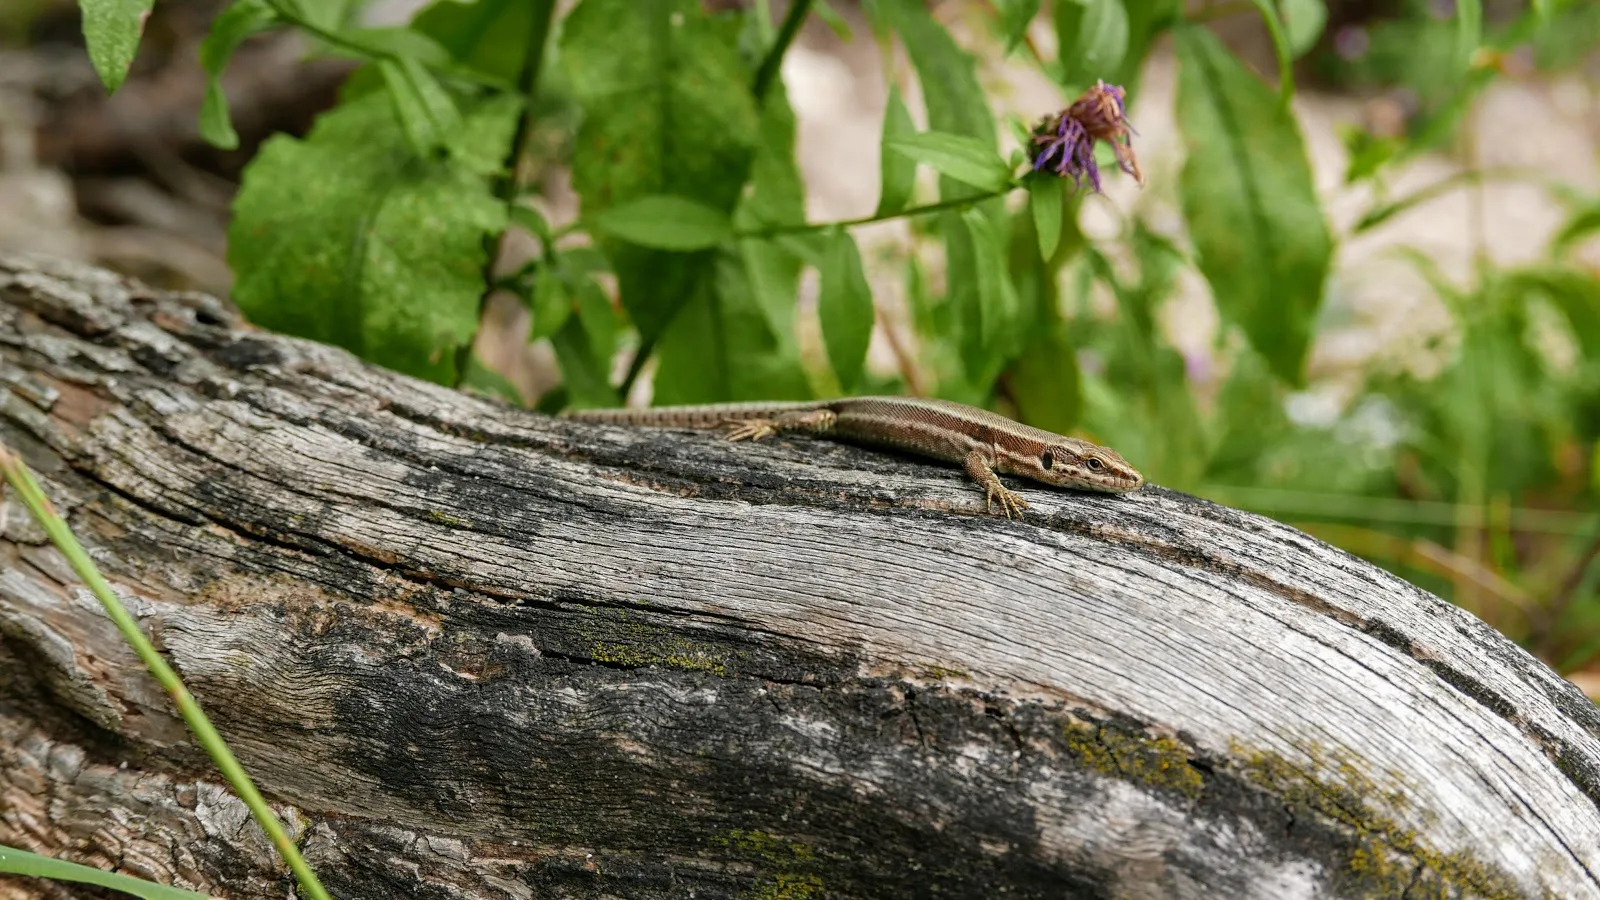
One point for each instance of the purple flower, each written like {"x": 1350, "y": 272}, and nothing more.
{"x": 1064, "y": 143}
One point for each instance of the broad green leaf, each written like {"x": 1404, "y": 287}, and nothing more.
{"x": 845, "y": 310}
{"x": 488, "y": 36}
{"x": 346, "y": 237}
{"x": 391, "y": 44}
{"x": 602, "y": 322}
{"x": 968, "y": 160}
{"x": 1249, "y": 201}
{"x": 1015, "y": 16}
{"x": 1280, "y": 46}
{"x": 549, "y": 304}
{"x": 1044, "y": 200}
{"x": 1303, "y": 20}
{"x": 898, "y": 172}
{"x": 585, "y": 376}
{"x": 478, "y": 378}
{"x": 666, "y": 222}
{"x": 21, "y": 862}
{"x": 735, "y": 340}
{"x": 228, "y": 31}
{"x": 667, "y": 109}
{"x": 111, "y": 30}
{"x": 994, "y": 312}
{"x": 1093, "y": 39}
{"x": 722, "y": 345}
{"x": 426, "y": 113}
{"x": 1044, "y": 383}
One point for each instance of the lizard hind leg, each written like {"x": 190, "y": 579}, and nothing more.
{"x": 809, "y": 421}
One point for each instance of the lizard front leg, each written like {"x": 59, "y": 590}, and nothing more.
{"x": 810, "y": 421}
{"x": 979, "y": 467}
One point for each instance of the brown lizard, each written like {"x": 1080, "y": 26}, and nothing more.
{"x": 986, "y": 444}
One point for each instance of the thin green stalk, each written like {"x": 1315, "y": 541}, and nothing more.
{"x": 804, "y": 227}
{"x": 768, "y": 72}
{"x": 32, "y": 496}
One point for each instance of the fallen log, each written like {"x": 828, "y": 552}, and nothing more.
{"x": 473, "y": 651}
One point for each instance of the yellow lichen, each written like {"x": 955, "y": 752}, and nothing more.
{"x": 1161, "y": 762}
{"x": 1387, "y": 858}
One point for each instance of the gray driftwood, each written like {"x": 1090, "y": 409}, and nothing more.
{"x": 475, "y": 652}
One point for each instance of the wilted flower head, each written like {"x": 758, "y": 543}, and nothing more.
{"x": 1064, "y": 142}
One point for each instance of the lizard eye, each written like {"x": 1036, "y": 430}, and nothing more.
{"x": 1046, "y": 460}
{"x": 1094, "y": 465}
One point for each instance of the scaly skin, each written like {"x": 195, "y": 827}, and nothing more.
{"x": 985, "y": 444}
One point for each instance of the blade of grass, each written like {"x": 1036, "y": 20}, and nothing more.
{"x": 21, "y": 862}
{"x": 32, "y": 496}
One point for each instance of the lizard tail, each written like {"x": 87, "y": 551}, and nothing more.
{"x": 709, "y": 415}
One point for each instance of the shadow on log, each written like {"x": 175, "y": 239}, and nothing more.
{"x": 475, "y": 652}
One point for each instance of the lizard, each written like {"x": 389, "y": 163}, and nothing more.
{"x": 984, "y": 443}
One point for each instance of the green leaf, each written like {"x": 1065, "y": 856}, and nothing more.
{"x": 898, "y": 171}
{"x": 549, "y": 304}
{"x": 1044, "y": 383}
{"x": 346, "y": 237}
{"x": 994, "y": 313}
{"x": 1469, "y": 30}
{"x": 1249, "y": 201}
{"x": 228, "y": 31}
{"x": 666, "y": 222}
{"x": 667, "y": 109}
{"x": 1015, "y": 16}
{"x": 488, "y": 36}
{"x": 1044, "y": 199}
{"x": 734, "y": 340}
{"x": 601, "y": 320}
{"x": 585, "y": 375}
{"x": 427, "y": 114}
{"x": 722, "y": 346}
{"x": 478, "y": 378}
{"x": 111, "y": 30}
{"x": 966, "y": 159}
{"x": 845, "y": 309}
{"x": 1584, "y": 222}
{"x": 831, "y": 18}
{"x": 1093, "y": 39}
{"x": 1303, "y": 20}
{"x": 532, "y": 221}
{"x": 21, "y": 862}
{"x": 1280, "y": 46}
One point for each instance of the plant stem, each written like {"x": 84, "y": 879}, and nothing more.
{"x": 32, "y": 496}
{"x": 768, "y": 72}
{"x": 804, "y": 227}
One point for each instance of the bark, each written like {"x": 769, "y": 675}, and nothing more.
{"x": 473, "y": 651}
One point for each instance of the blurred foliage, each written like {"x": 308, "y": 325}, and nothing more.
{"x": 1469, "y": 466}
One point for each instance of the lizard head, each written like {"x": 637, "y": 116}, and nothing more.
{"x": 1086, "y": 467}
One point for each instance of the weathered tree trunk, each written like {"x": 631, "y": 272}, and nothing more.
{"x": 477, "y": 652}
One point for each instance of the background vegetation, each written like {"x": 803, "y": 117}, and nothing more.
{"x": 1469, "y": 465}
{"x": 378, "y": 231}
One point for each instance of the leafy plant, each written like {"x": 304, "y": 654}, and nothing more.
{"x": 378, "y": 232}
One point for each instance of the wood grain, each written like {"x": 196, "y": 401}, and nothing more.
{"x": 479, "y": 652}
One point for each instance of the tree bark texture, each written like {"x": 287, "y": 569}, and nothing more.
{"x": 471, "y": 651}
